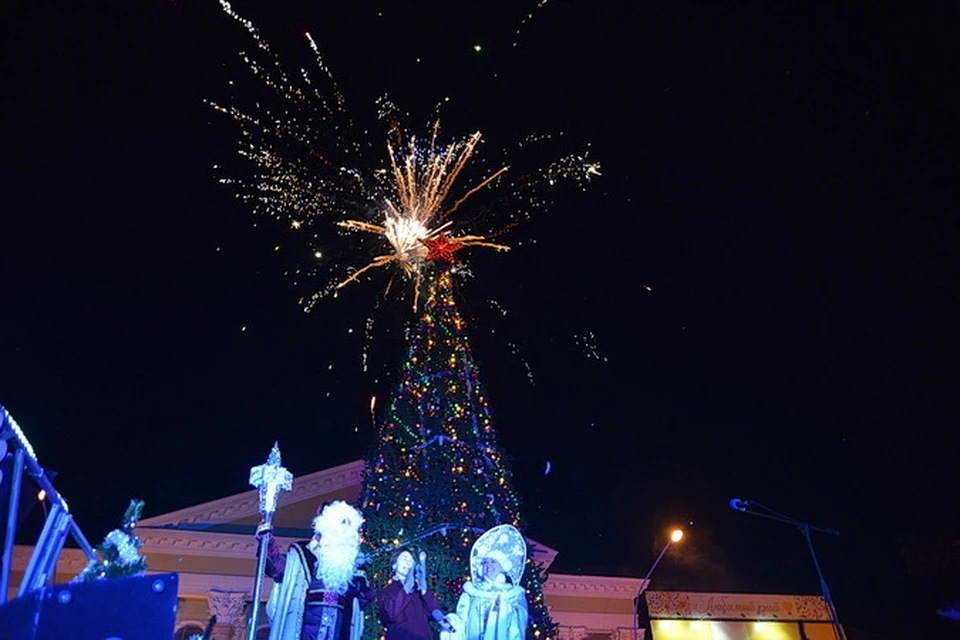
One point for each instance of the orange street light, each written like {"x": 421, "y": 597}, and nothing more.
{"x": 42, "y": 497}
{"x": 675, "y": 536}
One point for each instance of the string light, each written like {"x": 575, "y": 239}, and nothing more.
{"x": 436, "y": 452}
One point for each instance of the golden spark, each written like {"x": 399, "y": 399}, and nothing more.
{"x": 423, "y": 178}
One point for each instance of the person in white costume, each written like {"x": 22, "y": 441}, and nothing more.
{"x": 493, "y": 605}
{"x": 320, "y": 593}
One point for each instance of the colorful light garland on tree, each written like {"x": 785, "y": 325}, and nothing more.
{"x": 436, "y": 460}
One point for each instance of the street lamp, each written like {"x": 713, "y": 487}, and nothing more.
{"x": 675, "y": 536}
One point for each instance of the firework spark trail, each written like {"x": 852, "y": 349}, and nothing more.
{"x": 588, "y": 343}
{"x": 303, "y": 163}
{"x": 423, "y": 178}
{"x": 525, "y": 21}
{"x": 292, "y": 177}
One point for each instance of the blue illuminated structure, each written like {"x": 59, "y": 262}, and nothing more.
{"x": 59, "y": 521}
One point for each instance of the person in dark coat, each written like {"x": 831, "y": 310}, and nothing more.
{"x": 406, "y": 603}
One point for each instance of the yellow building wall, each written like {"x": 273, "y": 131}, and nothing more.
{"x": 585, "y": 604}
{"x": 731, "y": 630}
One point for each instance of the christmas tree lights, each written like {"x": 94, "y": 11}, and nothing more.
{"x": 436, "y": 477}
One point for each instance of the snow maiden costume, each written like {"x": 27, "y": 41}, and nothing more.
{"x": 493, "y": 605}
{"x": 322, "y": 594}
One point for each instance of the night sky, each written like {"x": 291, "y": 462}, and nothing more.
{"x": 757, "y": 299}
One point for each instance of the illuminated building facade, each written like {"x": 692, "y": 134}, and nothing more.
{"x": 212, "y": 548}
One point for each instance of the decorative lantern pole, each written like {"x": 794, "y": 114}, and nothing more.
{"x": 270, "y": 478}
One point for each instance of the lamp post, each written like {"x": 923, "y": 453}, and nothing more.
{"x": 675, "y": 536}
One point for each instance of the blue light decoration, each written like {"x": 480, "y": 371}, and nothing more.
{"x": 59, "y": 522}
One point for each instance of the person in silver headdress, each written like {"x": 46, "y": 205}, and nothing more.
{"x": 493, "y": 605}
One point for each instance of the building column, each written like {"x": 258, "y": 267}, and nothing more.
{"x": 565, "y": 632}
{"x": 228, "y": 606}
{"x": 629, "y": 633}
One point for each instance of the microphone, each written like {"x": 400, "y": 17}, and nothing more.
{"x": 740, "y": 505}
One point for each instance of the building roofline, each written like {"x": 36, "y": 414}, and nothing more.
{"x": 246, "y": 504}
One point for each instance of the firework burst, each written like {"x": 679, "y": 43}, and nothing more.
{"x": 413, "y": 222}
{"x": 303, "y": 164}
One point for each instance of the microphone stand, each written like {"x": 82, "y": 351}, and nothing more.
{"x": 805, "y": 529}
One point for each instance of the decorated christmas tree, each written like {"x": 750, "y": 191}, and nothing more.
{"x": 436, "y": 478}
{"x": 119, "y": 553}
